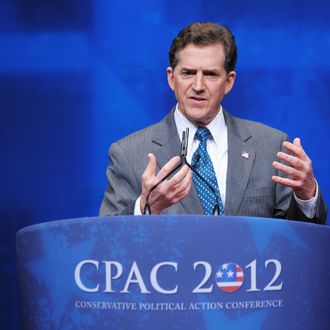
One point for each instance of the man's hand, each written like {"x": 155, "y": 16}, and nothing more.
{"x": 168, "y": 192}
{"x": 299, "y": 170}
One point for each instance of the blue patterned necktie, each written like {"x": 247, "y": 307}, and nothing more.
{"x": 203, "y": 164}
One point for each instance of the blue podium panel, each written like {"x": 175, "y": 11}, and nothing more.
{"x": 179, "y": 272}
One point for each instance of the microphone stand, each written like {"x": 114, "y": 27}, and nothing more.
{"x": 183, "y": 161}
{"x": 216, "y": 209}
{"x": 183, "y": 154}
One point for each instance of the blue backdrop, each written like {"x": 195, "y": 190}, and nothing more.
{"x": 77, "y": 75}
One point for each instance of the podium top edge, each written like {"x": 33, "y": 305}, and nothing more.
{"x": 153, "y": 218}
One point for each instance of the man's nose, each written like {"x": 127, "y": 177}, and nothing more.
{"x": 198, "y": 84}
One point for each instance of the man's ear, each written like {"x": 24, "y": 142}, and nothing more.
{"x": 170, "y": 77}
{"x": 230, "y": 81}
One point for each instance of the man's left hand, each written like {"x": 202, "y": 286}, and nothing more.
{"x": 298, "y": 168}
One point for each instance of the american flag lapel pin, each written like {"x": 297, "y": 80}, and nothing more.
{"x": 245, "y": 155}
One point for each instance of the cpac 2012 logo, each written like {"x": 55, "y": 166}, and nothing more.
{"x": 228, "y": 277}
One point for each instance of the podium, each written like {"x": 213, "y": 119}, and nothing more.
{"x": 174, "y": 272}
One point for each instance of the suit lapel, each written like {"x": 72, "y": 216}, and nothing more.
{"x": 191, "y": 203}
{"x": 241, "y": 157}
{"x": 167, "y": 145}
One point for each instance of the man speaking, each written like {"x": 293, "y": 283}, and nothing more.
{"x": 244, "y": 167}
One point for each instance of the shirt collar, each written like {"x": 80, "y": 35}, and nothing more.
{"x": 217, "y": 126}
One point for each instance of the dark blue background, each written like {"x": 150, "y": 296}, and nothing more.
{"x": 77, "y": 75}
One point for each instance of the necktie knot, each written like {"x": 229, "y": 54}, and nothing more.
{"x": 202, "y": 134}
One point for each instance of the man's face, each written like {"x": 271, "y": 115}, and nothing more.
{"x": 200, "y": 81}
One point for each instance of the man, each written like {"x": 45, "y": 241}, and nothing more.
{"x": 236, "y": 157}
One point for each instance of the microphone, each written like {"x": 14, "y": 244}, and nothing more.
{"x": 216, "y": 209}
{"x": 183, "y": 161}
{"x": 183, "y": 155}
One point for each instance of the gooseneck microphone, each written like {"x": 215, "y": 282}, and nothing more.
{"x": 216, "y": 209}
{"x": 183, "y": 161}
{"x": 183, "y": 155}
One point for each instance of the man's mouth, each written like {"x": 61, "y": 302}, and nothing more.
{"x": 197, "y": 98}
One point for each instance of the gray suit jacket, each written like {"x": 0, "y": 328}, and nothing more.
{"x": 250, "y": 190}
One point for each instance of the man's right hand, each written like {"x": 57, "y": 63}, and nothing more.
{"x": 170, "y": 191}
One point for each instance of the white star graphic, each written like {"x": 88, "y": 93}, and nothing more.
{"x": 225, "y": 266}
{"x": 219, "y": 274}
{"x": 230, "y": 274}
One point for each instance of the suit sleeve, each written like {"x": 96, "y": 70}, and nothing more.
{"x": 124, "y": 186}
{"x": 320, "y": 217}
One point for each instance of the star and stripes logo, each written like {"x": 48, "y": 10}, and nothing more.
{"x": 229, "y": 277}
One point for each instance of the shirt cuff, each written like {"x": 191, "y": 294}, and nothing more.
{"x": 137, "y": 210}
{"x": 308, "y": 207}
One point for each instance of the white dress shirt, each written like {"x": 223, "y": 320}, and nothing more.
{"x": 217, "y": 147}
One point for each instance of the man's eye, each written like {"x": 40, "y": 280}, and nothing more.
{"x": 211, "y": 74}
{"x": 187, "y": 73}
